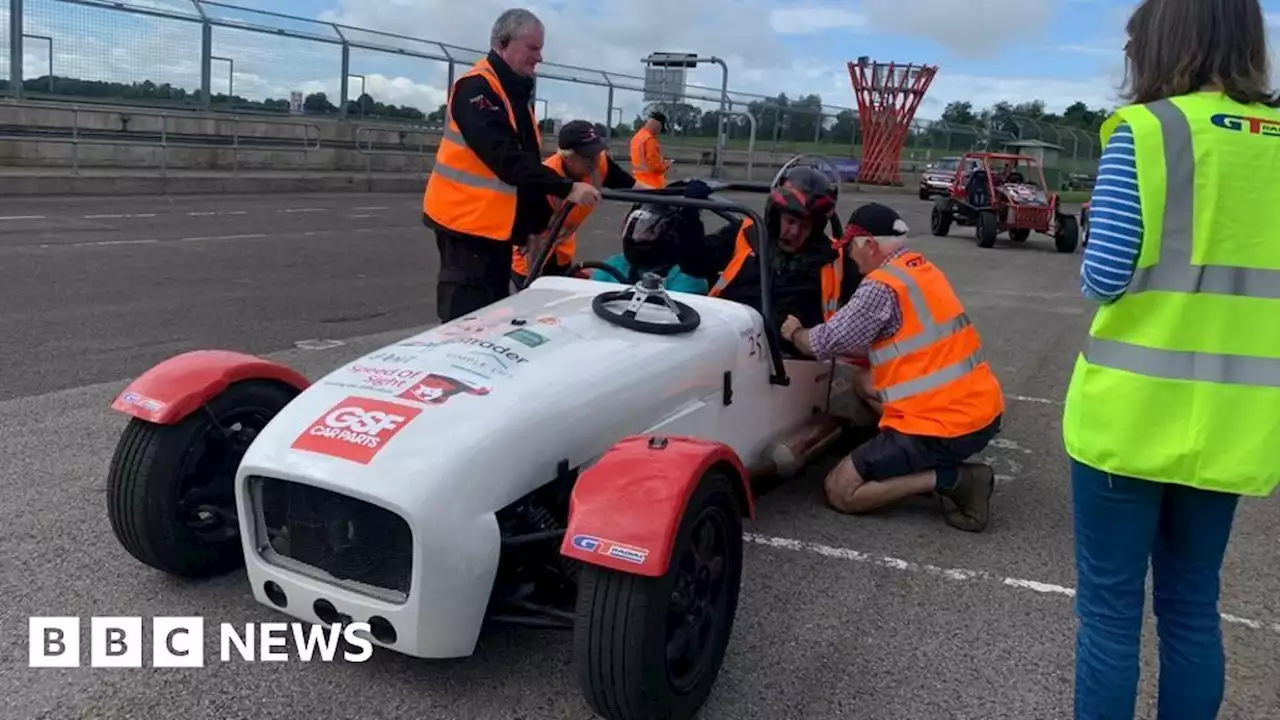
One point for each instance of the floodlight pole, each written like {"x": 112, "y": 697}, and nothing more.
{"x": 692, "y": 60}
{"x": 721, "y": 119}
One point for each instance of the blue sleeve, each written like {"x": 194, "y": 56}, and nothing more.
{"x": 617, "y": 262}
{"x": 1115, "y": 222}
{"x": 682, "y": 282}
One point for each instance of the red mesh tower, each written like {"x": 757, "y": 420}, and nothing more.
{"x": 888, "y": 95}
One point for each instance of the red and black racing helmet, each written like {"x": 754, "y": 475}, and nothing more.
{"x": 803, "y": 191}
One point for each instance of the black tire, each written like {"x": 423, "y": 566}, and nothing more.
{"x": 1067, "y": 235}
{"x": 924, "y": 194}
{"x": 622, "y": 631}
{"x": 940, "y": 219}
{"x": 150, "y": 501}
{"x": 1084, "y": 227}
{"x": 1020, "y": 234}
{"x": 986, "y": 229}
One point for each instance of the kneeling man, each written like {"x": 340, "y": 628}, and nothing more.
{"x": 939, "y": 401}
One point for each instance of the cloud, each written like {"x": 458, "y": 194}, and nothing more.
{"x": 756, "y": 38}
{"x": 952, "y": 24}
{"x": 814, "y": 20}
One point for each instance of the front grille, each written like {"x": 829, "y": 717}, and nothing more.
{"x": 1031, "y": 216}
{"x": 345, "y": 539}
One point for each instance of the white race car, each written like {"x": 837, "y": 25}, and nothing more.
{"x": 580, "y": 454}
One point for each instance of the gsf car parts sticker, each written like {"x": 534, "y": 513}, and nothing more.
{"x": 356, "y": 429}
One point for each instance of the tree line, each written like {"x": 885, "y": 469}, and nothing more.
{"x": 779, "y": 118}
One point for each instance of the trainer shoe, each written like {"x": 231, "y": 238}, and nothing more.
{"x": 971, "y": 496}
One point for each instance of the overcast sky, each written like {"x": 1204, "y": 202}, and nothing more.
{"x": 1058, "y": 51}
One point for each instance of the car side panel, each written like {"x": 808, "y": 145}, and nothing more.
{"x": 178, "y": 386}
{"x": 625, "y": 509}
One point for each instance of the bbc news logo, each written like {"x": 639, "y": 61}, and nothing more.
{"x": 179, "y": 642}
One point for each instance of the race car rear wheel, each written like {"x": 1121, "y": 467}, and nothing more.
{"x": 652, "y": 647}
{"x": 170, "y": 491}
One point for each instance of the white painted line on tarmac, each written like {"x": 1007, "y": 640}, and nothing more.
{"x": 251, "y": 236}
{"x": 371, "y": 207}
{"x": 954, "y": 574}
{"x": 304, "y": 210}
{"x": 1042, "y": 401}
{"x": 103, "y": 243}
{"x": 360, "y": 216}
{"x": 119, "y": 216}
{"x": 22, "y": 217}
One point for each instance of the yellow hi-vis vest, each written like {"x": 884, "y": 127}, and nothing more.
{"x": 1179, "y": 380}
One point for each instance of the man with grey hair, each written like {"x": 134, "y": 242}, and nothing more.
{"x": 488, "y": 190}
{"x": 939, "y": 401}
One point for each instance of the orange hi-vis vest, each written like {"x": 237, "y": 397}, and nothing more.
{"x": 567, "y": 248}
{"x": 644, "y": 155}
{"x": 930, "y": 376}
{"x": 463, "y": 194}
{"x": 832, "y": 272}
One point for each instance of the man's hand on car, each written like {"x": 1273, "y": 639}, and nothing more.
{"x": 584, "y": 194}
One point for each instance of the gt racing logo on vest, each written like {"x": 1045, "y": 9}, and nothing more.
{"x": 1253, "y": 125}
{"x": 355, "y": 429}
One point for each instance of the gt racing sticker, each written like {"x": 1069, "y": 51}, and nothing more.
{"x": 609, "y": 548}
{"x": 355, "y": 429}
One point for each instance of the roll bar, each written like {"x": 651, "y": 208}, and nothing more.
{"x": 673, "y": 195}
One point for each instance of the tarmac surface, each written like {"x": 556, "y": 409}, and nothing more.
{"x": 891, "y": 616}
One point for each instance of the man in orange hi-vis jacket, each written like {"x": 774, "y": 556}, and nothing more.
{"x": 647, "y": 164}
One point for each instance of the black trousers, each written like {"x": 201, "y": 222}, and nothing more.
{"x": 473, "y": 273}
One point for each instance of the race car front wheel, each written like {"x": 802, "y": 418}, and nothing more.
{"x": 652, "y": 647}
{"x": 171, "y": 488}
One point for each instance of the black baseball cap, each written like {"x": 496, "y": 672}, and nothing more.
{"x": 581, "y": 137}
{"x": 661, "y": 117}
{"x": 879, "y": 220}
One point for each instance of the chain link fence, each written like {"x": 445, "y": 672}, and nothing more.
{"x": 207, "y": 55}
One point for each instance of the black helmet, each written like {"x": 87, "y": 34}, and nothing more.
{"x": 803, "y": 191}
{"x": 651, "y": 236}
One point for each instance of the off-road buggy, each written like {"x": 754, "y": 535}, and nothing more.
{"x": 1005, "y": 193}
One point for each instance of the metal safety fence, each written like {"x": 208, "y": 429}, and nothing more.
{"x": 214, "y": 56}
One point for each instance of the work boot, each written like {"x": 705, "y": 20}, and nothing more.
{"x": 971, "y": 496}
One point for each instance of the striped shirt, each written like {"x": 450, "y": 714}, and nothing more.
{"x": 1115, "y": 222}
{"x": 872, "y": 314}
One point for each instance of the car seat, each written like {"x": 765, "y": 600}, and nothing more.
{"x": 1015, "y": 177}
{"x": 977, "y": 189}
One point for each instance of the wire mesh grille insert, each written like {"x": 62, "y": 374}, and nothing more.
{"x": 345, "y": 537}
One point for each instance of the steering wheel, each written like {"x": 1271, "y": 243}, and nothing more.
{"x": 648, "y": 292}
{"x": 603, "y": 267}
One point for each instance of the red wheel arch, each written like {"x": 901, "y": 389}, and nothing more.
{"x": 176, "y": 387}
{"x": 625, "y": 510}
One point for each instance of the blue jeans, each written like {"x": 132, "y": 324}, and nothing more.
{"x": 1120, "y": 524}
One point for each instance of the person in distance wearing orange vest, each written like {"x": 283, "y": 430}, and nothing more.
{"x": 647, "y": 163}
{"x": 811, "y": 275}
{"x": 938, "y": 399}
{"x": 488, "y": 189}
{"x": 583, "y": 157}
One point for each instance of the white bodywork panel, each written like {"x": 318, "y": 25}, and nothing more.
{"x": 485, "y": 410}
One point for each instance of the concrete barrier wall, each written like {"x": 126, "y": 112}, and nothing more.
{"x": 51, "y": 140}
